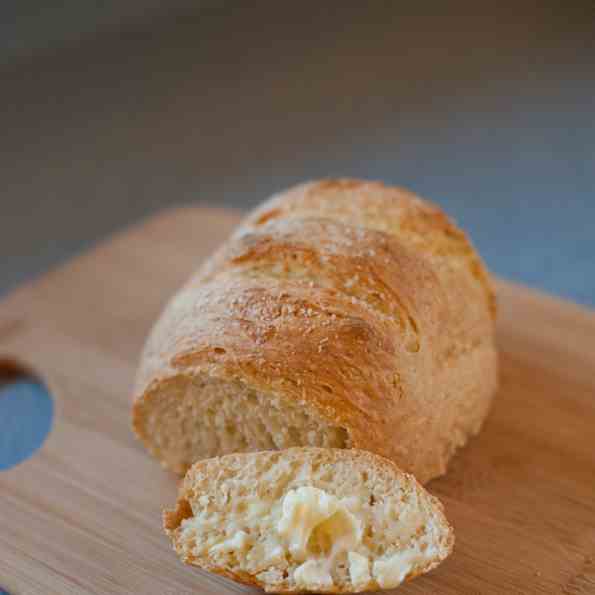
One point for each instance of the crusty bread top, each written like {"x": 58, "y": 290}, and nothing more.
{"x": 417, "y": 223}
{"x": 359, "y": 302}
{"x": 233, "y": 512}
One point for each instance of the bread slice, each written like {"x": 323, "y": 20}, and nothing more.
{"x": 308, "y": 519}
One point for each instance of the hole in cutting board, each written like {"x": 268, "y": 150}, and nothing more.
{"x": 26, "y": 415}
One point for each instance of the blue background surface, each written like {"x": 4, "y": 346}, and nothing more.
{"x": 26, "y": 413}
{"x": 488, "y": 111}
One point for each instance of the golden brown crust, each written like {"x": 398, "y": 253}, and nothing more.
{"x": 373, "y": 205}
{"x": 361, "y": 302}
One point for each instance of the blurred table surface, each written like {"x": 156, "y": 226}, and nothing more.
{"x": 486, "y": 110}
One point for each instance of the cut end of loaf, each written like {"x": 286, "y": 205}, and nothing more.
{"x": 184, "y": 419}
{"x": 308, "y": 520}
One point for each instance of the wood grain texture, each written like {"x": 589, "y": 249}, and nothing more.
{"x": 83, "y": 515}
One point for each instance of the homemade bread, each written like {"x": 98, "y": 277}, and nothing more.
{"x": 308, "y": 519}
{"x": 340, "y": 314}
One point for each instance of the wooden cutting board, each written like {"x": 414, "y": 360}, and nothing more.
{"x": 83, "y": 515}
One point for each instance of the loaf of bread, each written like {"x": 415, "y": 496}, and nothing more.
{"x": 308, "y": 519}
{"x": 340, "y": 314}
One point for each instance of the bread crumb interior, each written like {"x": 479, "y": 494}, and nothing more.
{"x": 208, "y": 417}
{"x": 302, "y": 526}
